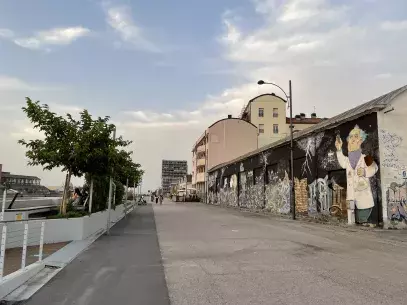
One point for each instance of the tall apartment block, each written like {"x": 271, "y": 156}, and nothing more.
{"x": 171, "y": 173}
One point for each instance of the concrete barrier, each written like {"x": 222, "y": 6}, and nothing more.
{"x": 60, "y": 230}
{"x": 18, "y": 278}
{"x": 64, "y": 229}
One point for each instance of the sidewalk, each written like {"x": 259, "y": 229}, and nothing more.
{"x": 123, "y": 268}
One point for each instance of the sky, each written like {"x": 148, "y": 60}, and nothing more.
{"x": 165, "y": 70}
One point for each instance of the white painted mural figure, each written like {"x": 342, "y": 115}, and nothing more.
{"x": 359, "y": 168}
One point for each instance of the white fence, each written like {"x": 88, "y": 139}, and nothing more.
{"x": 20, "y": 235}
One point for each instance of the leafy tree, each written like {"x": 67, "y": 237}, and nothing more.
{"x": 76, "y": 146}
{"x": 60, "y": 145}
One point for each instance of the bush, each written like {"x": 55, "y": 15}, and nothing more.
{"x": 70, "y": 214}
{"x": 119, "y": 193}
{"x": 100, "y": 192}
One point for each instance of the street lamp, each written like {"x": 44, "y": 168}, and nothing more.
{"x": 289, "y": 98}
{"x": 109, "y": 204}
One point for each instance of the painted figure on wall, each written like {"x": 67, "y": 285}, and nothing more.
{"x": 359, "y": 168}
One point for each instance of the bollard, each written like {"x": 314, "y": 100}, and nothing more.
{"x": 3, "y": 207}
{"x": 24, "y": 254}
{"x": 3, "y": 250}
{"x": 41, "y": 241}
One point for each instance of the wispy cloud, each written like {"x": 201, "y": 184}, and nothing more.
{"x": 43, "y": 40}
{"x": 120, "y": 20}
{"x": 6, "y": 33}
{"x": 8, "y": 83}
{"x": 394, "y": 25}
{"x": 56, "y": 36}
{"x": 383, "y": 76}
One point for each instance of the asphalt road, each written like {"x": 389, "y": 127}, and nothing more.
{"x": 212, "y": 255}
{"x": 217, "y": 256}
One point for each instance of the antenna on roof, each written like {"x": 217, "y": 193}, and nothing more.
{"x": 314, "y": 110}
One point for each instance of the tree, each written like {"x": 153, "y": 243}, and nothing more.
{"x": 76, "y": 146}
{"x": 59, "y": 147}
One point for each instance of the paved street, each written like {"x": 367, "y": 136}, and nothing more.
{"x": 217, "y": 256}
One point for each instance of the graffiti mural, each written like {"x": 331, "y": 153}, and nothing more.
{"x": 309, "y": 146}
{"x": 397, "y": 202}
{"x": 319, "y": 199}
{"x": 278, "y": 194}
{"x": 390, "y": 143}
{"x": 228, "y": 197}
{"x": 328, "y": 175}
{"x": 251, "y": 191}
{"x": 359, "y": 168}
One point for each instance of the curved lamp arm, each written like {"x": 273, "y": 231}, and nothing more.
{"x": 262, "y": 82}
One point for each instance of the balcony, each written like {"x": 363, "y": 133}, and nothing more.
{"x": 201, "y": 148}
{"x": 200, "y": 177}
{"x": 200, "y": 162}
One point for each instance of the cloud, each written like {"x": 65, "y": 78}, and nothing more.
{"x": 6, "y": 33}
{"x": 383, "y": 76}
{"x": 8, "y": 83}
{"x": 53, "y": 37}
{"x": 120, "y": 20}
{"x": 394, "y": 25}
{"x": 305, "y": 46}
{"x": 309, "y": 10}
{"x": 43, "y": 40}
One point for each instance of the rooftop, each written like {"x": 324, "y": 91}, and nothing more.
{"x": 244, "y": 109}
{"x": 305, "y": 120}
{"x": 9, "y": 175}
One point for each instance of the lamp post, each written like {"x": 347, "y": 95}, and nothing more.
{"x": 109, "y": 203}
{"x": 289, "y": 99}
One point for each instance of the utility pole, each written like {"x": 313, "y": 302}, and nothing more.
{"x": 289, "y": 98}
{"x": 109, "y": 207}
{"x": 292, "y": 149}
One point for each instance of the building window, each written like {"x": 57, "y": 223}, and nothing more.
{"x": 275, "y": 112}
{"x": 261, "y": 128}
{"x": 261, "y": 112}
{"x": 275, "y": 128}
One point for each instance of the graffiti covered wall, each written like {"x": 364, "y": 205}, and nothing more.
{"x": 331, "y": 168}
{"x": 393, "y": 166}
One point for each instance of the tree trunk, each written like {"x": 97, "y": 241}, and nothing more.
{"x": 91, "y": 195}
{"x": 63, "y": 195}
{"x": 67, "y": 184}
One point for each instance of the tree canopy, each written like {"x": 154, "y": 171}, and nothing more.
{"x": 78, "y": 146}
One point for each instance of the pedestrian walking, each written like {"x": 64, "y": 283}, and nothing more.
{"x": 156, "y": 199}
{"x": 161, "y": 199}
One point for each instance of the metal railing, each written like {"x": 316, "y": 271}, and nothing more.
{"x": 21, "y": 243}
